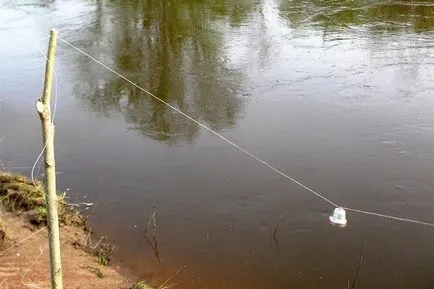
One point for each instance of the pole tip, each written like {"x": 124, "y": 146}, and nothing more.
{"x": 53, "y": 31}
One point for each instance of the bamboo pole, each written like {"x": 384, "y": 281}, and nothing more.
{"x": 44, "y": 111}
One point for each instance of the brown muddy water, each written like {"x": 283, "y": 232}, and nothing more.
{"x": 338, "y": 94}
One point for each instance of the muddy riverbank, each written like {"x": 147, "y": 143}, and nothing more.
{"x": 24, "y": 255}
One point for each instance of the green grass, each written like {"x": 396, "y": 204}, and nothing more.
{"x": 18, "y": 194}
{"x": 103, "y": 260}
{"x": 38, "y": 215}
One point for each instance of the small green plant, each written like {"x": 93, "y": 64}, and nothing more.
{"x": 103, "y": 260}
{"x": 102, "y": 250}
{"x": 41, "y": 211}
{"x": 141, "y": 285}
{"x": 38, "y": 216}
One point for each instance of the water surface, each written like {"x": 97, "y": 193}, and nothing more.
{"x": 338, "y": 94}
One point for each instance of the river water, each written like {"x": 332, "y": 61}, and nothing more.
{"x": 337, "y": 94}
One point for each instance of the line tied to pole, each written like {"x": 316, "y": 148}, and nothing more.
{"x": 258, "y": 159}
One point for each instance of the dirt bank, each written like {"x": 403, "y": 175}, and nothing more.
{"x": 24, "y": 256}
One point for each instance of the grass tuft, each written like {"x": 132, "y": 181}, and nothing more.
{"x": 102, "y": 250}
{"x": 18, "y": 194}
{"x": 103, "y": 260}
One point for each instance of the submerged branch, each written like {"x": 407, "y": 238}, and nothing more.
{"x": 359, "y": 265}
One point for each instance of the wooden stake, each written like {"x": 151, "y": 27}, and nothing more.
{"x": 44, "y": 111}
